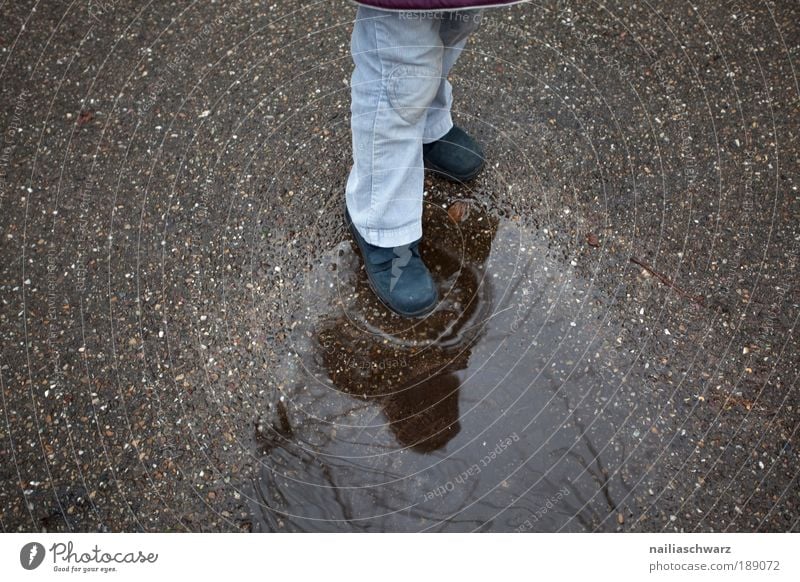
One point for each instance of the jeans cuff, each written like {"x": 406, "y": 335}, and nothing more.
{"x": 439, "y": 129}
{"x": 392, "y": 237}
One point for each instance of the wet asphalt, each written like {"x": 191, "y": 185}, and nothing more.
{"x": 189, "y": 342}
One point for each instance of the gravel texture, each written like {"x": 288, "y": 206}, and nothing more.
{"x": 189, "y": 343}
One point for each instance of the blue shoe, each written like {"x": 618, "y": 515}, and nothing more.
{"x": 456, "y": 156}
{"x": 397, "y": 275}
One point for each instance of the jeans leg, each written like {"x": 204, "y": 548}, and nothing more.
{"x": 398, "y": 69}
{"x": 454, "y": 32}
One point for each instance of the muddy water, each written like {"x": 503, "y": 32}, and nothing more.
{"x": 489, "y": 414}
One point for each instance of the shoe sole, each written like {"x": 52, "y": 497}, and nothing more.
{"x": 416, "y": 314}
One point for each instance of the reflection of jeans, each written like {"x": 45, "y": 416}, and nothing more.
{"x": 400, "y": 99}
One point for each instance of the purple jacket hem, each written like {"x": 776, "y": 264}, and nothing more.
{"x": 434, "y": 4}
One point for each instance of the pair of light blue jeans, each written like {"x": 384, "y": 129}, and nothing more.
{"x": 401, "y": 99}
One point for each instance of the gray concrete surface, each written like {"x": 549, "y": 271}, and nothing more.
{"x": 188, "y": 342}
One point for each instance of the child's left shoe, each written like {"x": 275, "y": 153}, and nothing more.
{"x": 456, "y": 156}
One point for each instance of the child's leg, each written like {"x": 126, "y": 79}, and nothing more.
{"x": 398, "y": 69}
{"x": 454, "y": 33}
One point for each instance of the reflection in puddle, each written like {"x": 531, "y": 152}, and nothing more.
{"x": 410, "y": 368}
{"x": 481, "y": 416}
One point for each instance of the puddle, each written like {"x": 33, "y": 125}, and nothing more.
{"x": 490, "y": 414}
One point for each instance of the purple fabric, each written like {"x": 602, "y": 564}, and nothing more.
{"x": 433, "y": 4}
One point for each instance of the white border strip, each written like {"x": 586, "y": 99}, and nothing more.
{"x": 333, "y": 557}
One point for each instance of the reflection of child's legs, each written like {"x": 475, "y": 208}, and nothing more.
{"x": 398, "y": 69}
